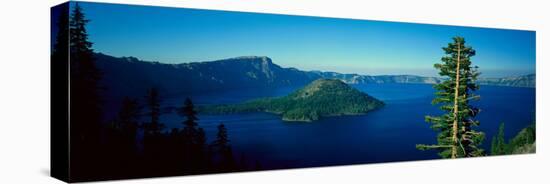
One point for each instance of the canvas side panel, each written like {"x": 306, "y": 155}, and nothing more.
{"x": 59, "y": 78}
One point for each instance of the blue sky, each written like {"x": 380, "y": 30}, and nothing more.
{"x": 177, "y": 35}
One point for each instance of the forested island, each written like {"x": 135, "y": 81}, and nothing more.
{"x": 320, "y": 98}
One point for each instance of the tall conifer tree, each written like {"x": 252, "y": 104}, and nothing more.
{"x": 456, "y": 137}
{"x": 153, "y": 127}
{"x": 85, "y": 102}
{"x": 60, "y": 49}
{"x": 152, "y": 130}
{"x": 227, "y": 162}
{"x": 192, "y": 137}
{"x": 498, "y": 145}
{"x": 190, "y": 131}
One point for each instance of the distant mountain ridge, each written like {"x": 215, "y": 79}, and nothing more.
{"x": 128, "y": 75}
{"x": 516, "y": 81}
{"x": 379, "y": 79}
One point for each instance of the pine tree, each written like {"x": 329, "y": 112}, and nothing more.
{"x": 153, "y": 127}
{"x": 190, "y": 131}
{"x": 152, "y": 130}
{"x": 192, "y": 137}
{"x": 85, "y": 106}
{"x": 227, "y": 162}
{"x": 498, "y": 145}
{"x": 60, "y": 49}
{"x": 222, "y": 140}
{"x": 494, "y": 146}
{"x": 523, "y": 141}
{"x": 456, "y": 137}
{"x": 85, "y": 102}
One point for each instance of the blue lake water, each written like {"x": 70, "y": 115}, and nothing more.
{"x": 387, "y": 134}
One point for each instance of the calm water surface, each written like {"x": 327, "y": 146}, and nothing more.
{"x": 387, "y": 134}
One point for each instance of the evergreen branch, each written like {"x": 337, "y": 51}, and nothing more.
{"x": 426, "y": 147}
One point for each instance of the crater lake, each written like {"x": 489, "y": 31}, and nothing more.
{"x": 384, "y": 135}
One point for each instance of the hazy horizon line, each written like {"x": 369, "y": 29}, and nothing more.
{"x": 299, "y": 68}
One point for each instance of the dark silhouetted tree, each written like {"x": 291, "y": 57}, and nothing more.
{"x": 223, "y": 149}
{"x": 85, "y": 102}
{"x": 153, "y": 127}
{"x": 60, "y": 51}
{"x": 193, "y": 138}
{"x": 456, "y": 137}
{"x": 190, "y": 130}
{"x": 152, "y": 131}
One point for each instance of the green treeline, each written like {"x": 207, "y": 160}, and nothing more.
{"x": 321, "y": 98}
{"x": 523, "y": 142}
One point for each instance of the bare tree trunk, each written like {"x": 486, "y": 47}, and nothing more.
{"x": 455, "y": 123}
